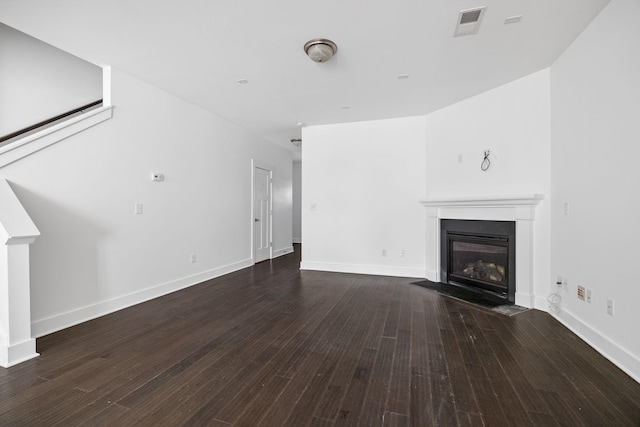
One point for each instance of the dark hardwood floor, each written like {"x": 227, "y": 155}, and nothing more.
{"x": 274, "y": 346}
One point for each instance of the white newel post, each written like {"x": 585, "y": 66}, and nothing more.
{"x": 17, "y": 232}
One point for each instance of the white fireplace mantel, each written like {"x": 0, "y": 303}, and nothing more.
{"x": 518, "y": 208}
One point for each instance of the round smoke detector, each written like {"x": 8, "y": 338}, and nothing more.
{"x": 320, "y": 50}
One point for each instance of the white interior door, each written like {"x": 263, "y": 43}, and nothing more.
{"x": 261, "y": 214}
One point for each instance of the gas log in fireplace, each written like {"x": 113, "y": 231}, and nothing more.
{"x": 479, "y": 255}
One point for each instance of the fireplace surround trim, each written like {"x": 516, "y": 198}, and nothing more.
{"x": 518, "y": 208}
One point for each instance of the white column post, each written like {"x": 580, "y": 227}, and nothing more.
{"x": 525, "y": 296}
{"x": 433, "y": 245}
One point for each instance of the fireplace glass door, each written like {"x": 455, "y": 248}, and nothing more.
{"x": 479, "y": 255}
{"x": 478, "y": 261}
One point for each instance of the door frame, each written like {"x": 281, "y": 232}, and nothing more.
{"x": 264, "y": 166}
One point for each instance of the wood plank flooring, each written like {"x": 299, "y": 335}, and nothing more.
{"x": 274, "y": 346}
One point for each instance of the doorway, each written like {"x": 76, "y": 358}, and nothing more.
{"x": 261, "y": 214}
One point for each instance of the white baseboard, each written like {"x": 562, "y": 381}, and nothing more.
{"x": 11, "y": 355}
{"x": 282, "y": 251}
{"x": 616, "y": 354}
{"x": 432, "y": 275}
{"x": 540, "y": 304}
{"x": 297, "y": 240}
{"x": 376, "y": 270}
{"x": 64, "y": 320}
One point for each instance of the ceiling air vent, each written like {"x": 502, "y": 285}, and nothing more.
{"x": 469, "y": 21}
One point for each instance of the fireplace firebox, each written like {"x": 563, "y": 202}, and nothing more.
{"x": 479, "y": 256}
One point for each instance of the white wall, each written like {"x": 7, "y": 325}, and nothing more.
{"x": 512, "y": 121}
{"x": 366, "y": 180}
{"x": 38, "y": 81}
{"x": 595, "y": 152}
{"x": 297, "y": 202}
{"x": 95, "y": 255}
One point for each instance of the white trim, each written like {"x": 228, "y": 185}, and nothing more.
{"x": 106, "y": 85}
{"x": 520, "y": 208}
{"x": 511, "y": 200}
{"x": 376, "y": 270}
{"x": 64, "y": 320}
{"x": 616, "y": 354}
{"x": 35, "y": 142}
{"x": 21, "y": 240}
{"x": 540, "y": 303}
{"x": 296, "y": 240}
{"x": 283, "y": 251}
{"x": 17, "y": 353}
{"x": 267, "y": 167}
{"x": 16, "y": 226}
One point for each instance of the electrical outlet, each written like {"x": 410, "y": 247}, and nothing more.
{"x": 610, "y": 307}
{"x": 581, "y": 292}
{"x": 559, "y": 281}
{"x": 384, "y": 252}
{"x": 402, "y": 253}
{"x": 192, "y": 258}
{"x": 589, "y": 296}
{"x": 138, "y": 208}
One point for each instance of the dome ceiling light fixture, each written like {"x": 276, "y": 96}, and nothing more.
{"x": 320, "y": 50}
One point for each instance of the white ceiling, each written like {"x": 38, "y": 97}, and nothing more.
{"x": 198, "y": 49}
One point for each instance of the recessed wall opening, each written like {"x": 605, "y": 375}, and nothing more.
{"x": 43, "y": 86}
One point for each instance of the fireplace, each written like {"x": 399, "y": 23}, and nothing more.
{"x": 479, "y": 255}
{"x": 519, "y": 209}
